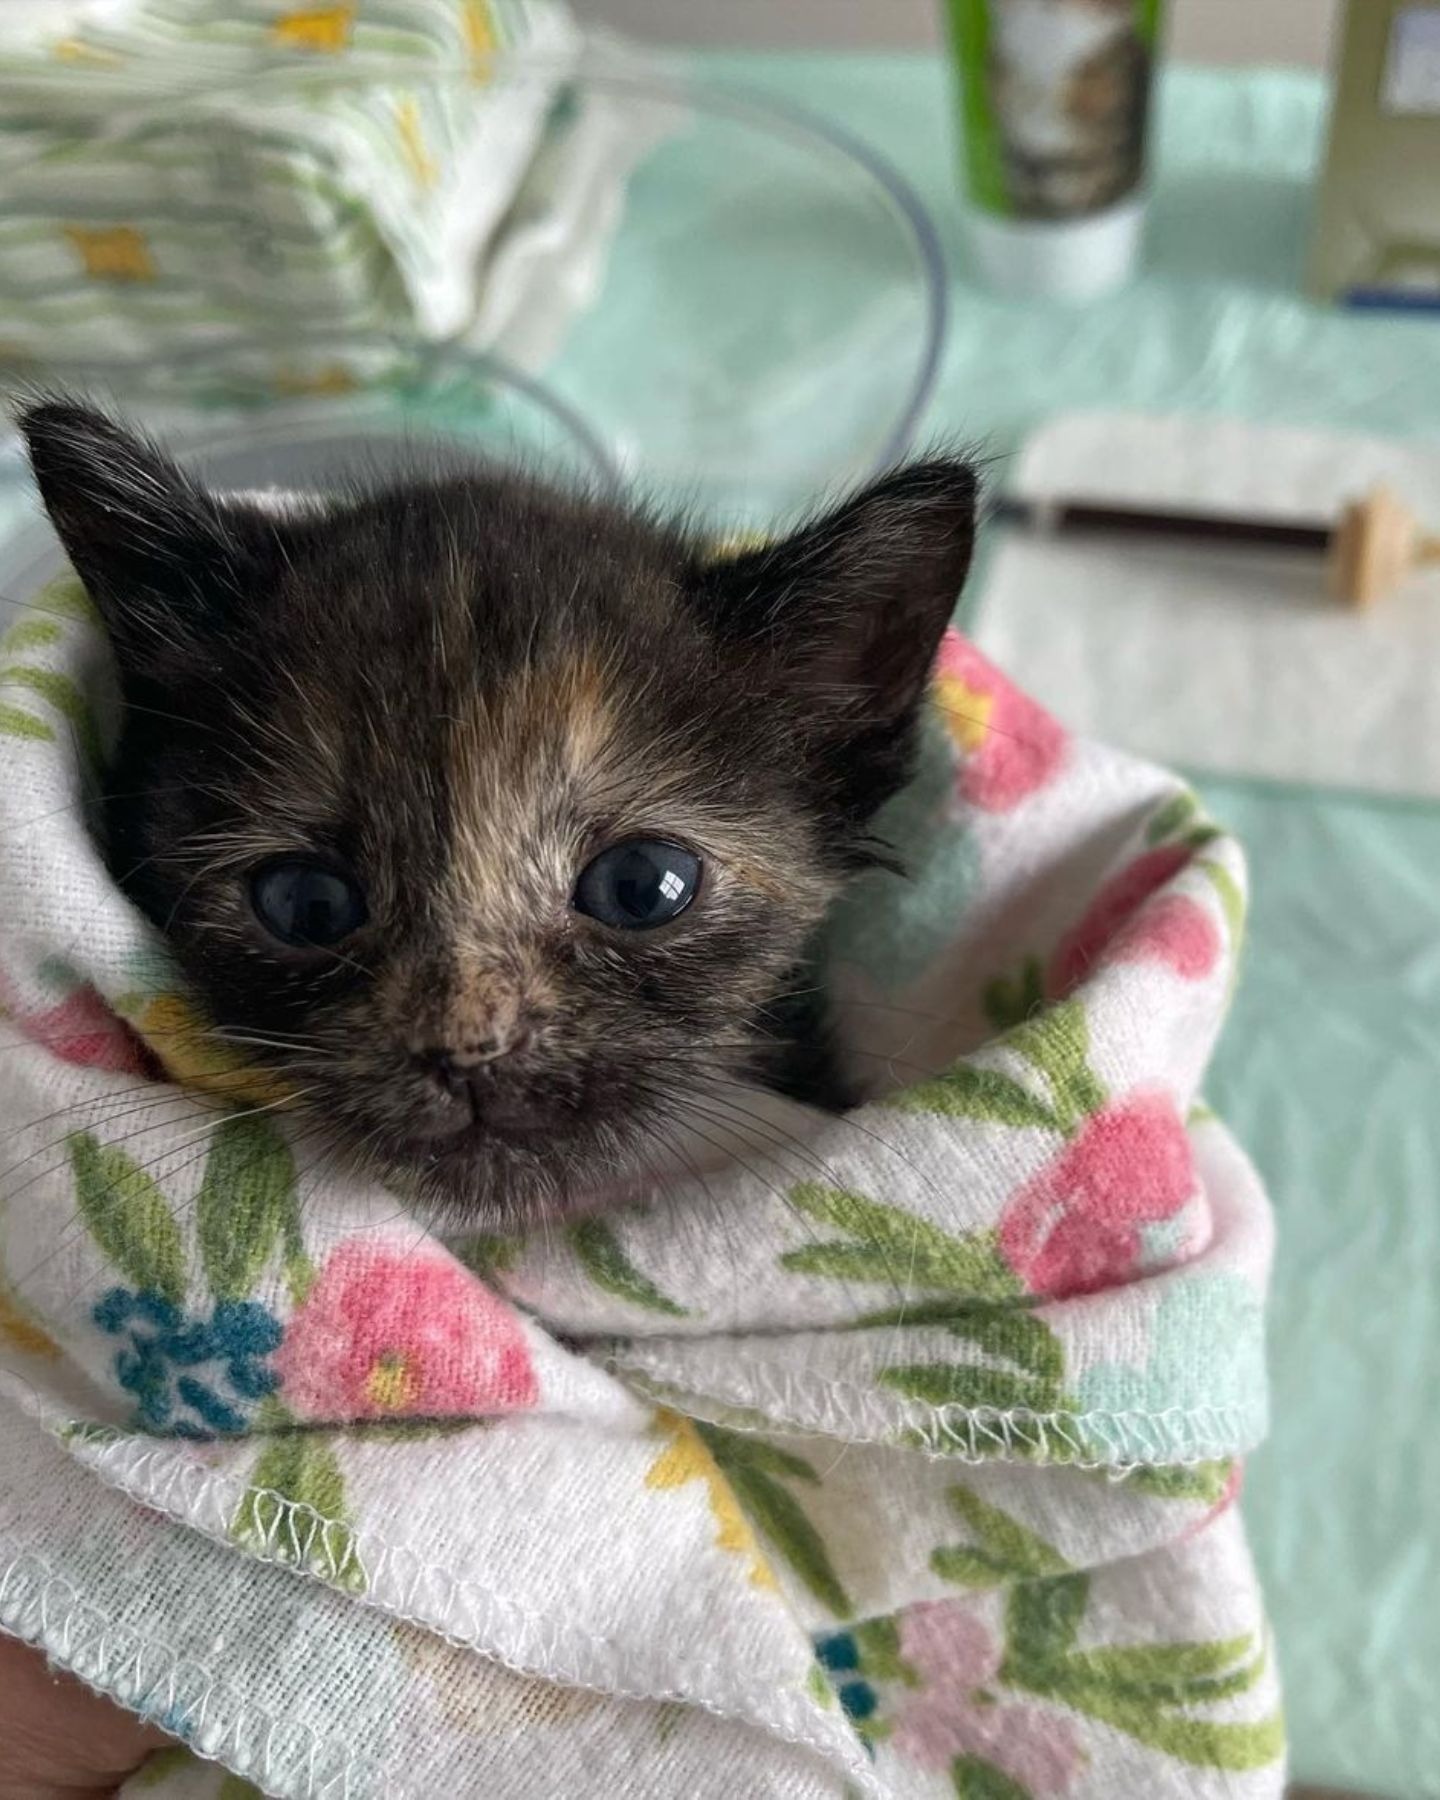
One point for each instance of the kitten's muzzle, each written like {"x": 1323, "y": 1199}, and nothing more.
{"x": 478, "y": 1092}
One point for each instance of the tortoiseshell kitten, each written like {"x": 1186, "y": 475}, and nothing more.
{"x": 497, "y": 818}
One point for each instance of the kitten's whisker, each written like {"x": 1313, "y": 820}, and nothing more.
{"x": 145, "y": 1168}
{"x": 849, "y": 1120}
{"x": 183, "y": 1209}
{"x": 808, "y": 1225}
{"x": 110, "y": 1118}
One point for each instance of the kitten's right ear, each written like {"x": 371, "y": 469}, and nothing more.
{"x": 156, "y": 553}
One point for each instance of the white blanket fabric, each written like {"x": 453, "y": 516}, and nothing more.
{"x": 895, "y": 1456}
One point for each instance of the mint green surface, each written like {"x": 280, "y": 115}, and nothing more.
{"x": 1330, "y": 1068}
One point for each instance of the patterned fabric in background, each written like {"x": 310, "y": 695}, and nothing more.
{"x": 268, "y": 200}
{"x": 898, "y": 1458}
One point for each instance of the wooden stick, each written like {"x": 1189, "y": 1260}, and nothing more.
{"x": 1081, "y": 519}
{"x": 1375, "y": 545}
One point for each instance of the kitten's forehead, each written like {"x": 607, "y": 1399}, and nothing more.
{"x": 469, "y": 824}
{"x": 478, "y": 725}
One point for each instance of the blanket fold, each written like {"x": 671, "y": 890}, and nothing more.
{"x": 892, "y": 1454}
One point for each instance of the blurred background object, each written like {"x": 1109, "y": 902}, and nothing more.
{"x": 1377, "y": 238}
{"x": 1212, "y": 31}
{"x": 1054, "y": 112}
{"x": 558, "y": 247}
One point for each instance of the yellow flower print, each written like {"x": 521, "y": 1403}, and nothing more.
{"x": 329, "y": 383}
{"x": 480, "y": 37}
{"x": 113, "y": 252}
{"x": 194, "y": 1058}
{"x": 423, "y": 165}
{"x": 482, "y": 1698}
{"x": 392, "y": 1384}
{"x": 686, "y": 1459}
{"x": 76, "y": 50}
{"x": 966, "y": 710}
{"x": 20, "y": 1331}
{"x": 321, "y": 28}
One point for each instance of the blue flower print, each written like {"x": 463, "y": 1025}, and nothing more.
{"x": 191, "y": 1377}
{"x": 838, "y": 1654}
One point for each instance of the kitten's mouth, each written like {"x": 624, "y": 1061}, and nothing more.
{"x": 529, "y": 1165}
{"x": 514, "y": 1127}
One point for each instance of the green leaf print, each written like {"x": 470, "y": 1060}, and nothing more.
{"x": 970, "y": 1568}
{"x": 1003, "y": 1539}
{"x": 299, "y": 1270}
{"x": 976, "y": 1779}
{"x": 1008, "y": 1333}
{"x": 30, "y": 634}
{"x": 60, "y": 692}
{"x": 1179, "y": 1673}
{"x": 1042, "y": 1620}
{"x": 488, "y": 1255}
{"x": 895, "y": 1248}
{"x": 1205, "y": 1481}
{"x": 847, "y": 1262}
{"x": 294, "y": 1509}
{"x": 1009, "y": 1003}
{"x": 66, "y": 598}
{"x": 1232, "y": 900}
{"x": 878, "y": 1641}
{"x": 127, "y": 1216}
{"x": 1057, "y": 1043}
{"x": 755, "y": 1471}
{"x": 605, "y": 1262}
{"x": 1173, "y": 817}
{"x": 1001, "y": 1328}
{"x": 1147, "y": 1691}
{"x": 817, "y": 1686}
{"x": 1151, "y": 1692}
{"x": 15, "y": 722}
{"x": 1203, "y": 1743}
{"x": 246, "y": 1199}
{"x": 970, "y": 1386}
{"x": 743, "y": 1448}
{"x": 967, "y": 1092}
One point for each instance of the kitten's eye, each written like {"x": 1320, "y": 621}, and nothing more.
{"x": 306, "y": 903}
{"x": 638, "y": 884}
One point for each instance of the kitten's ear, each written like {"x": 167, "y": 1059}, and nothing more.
{"x": 850, "y": 609}
{"x": 154, "y": 550}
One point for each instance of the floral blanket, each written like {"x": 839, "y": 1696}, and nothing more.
{"x": 895, "y": 1457}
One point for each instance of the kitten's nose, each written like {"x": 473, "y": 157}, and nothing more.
{"x": 465, "y": 1068}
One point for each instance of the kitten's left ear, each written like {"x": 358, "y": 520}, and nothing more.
{"x": 850, "y": 608}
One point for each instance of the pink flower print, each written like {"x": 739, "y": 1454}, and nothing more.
{"x": 1008, "y": 745}
{"x": 402, "y": 1331}
{"x": 1131, "y": 921}
{"x": 958, "y": 1713}
{"x": 81, "y": 1029}
{"x": 1075, "y": 1226}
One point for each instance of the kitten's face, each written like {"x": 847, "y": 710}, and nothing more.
{"x": 495, "y": 820}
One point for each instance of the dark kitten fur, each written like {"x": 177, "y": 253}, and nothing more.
{"x": 453, "y": 695}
